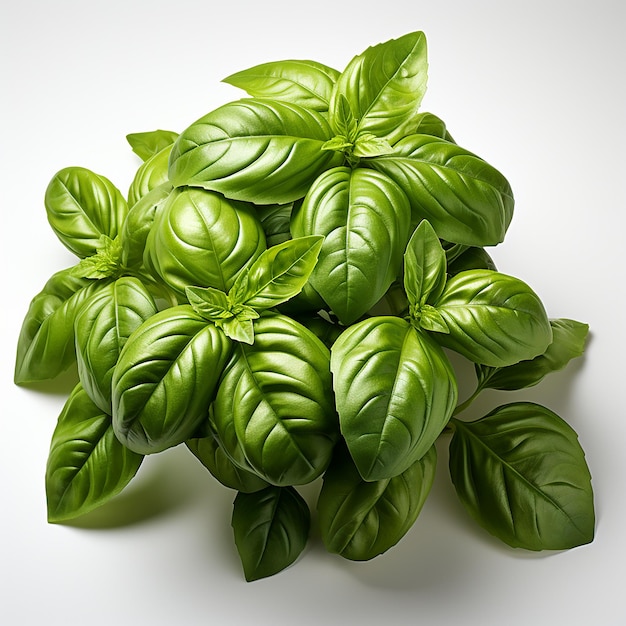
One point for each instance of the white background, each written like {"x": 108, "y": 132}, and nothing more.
{"x": 535, "y": 87}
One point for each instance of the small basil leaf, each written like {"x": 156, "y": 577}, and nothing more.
{"x": 147, "y": 144}
{"x": 471, "y": 258}
{"x": 424, "y": 267}
{"x": 275, "y": 220}
{"x": 568, "y": 342}
{"x": 431, "y": 319}
{"x": 522, "y": 475}
{"x": 202, "y": 239}
{"x": 430, "y": 124}
{"x": 364, "y": 218}
{"x": 81, "y": 207}
{"x": 105, "y": 263}
{"x": 102, "y": 327}
{"x": 368, "y": 145}
{"x": 343, "y": 121}
{"x": 166, "y": 378}
{"x": 465, "y": 199}
{"x": 210, "y": 303}
{"x": 261, "y": 151}
{"x": 152, "y": 173}
{"x": 271, "y": 528}
{"x": 384, "y": 86}
{"x": 395, "y": 391}
{"x": 306, "y": 83}
{"x": 360, "y": 520}
{"x": 274, "y": 407}
{"x": 278, "y": 274}
{"x": 493, "y": 319}
{"x": 45, "y": 346}
{"x": 87, "y": 465}
{"x": 209, "y": 452}
{"x": 239, "y": 329}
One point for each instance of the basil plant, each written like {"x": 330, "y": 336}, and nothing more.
{"x": 280, "y": 291}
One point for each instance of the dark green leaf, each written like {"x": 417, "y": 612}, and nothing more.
{"x": 275, "y": 220}
{"x": 81, "y": 207}
{"x": 87, "y": 465}
{"x": 261, "y": 151}
{"x": 493, "y": 319}
{"x": 568, "y": 342}
{"x": 147, "y": 144}
{"x": 360, "y": 520}
{"x": 166, "y": 378}
{"x": 306, "y": 83}
{"x": 364, "y": 218}
{"x": 471, "y": 258}
{"x": 271, "y": 528}
{"x": 395, "y": 391}
{"x": 522, "y": 475}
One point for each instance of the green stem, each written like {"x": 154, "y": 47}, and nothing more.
{"x": 461, "y": 407}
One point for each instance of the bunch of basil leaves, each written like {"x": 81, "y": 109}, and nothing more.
{"x": 280, "y": 291}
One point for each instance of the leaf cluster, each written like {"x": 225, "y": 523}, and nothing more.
{"x": 279, "y": 291}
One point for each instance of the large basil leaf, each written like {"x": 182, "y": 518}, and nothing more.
{"x": 274, "y": 407}
{"x": 152, "y": 173}
{"x": 522, "y": 475}
{"x": 165, "y": 379}
{"x": 147, "y": 144}
{"x": 138, "y": 223}
{"x": 102, "y": 327}
{"x": 81, "y": 207}
{"x": 568, "y": 342}
{"x": 87, "y": 465}
{"x": 207, "y": 449}
{"x": 464, "y": 198}
{"x": 305, "y": 83}
{"x": 202, "y": 239}
{"x": 258, "y": 150}
{"x": 45, "y": 346}
{"x": 492, "y": 318}
{"x": 359, "y": 519}
{"x": 271, "y": 528}
{"x": 384, "y": 86}
{"x": 395, "y": 391}
{"x": 364, "y": 218}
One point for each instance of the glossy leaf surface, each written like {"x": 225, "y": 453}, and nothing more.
{"x": 465, "y": 199}
{"x": 395, "y": 391}
{"x": 274, "y": 407}
{"x": 492, "y": 318}
{"x": 102, "y": 327}
{"x": 81, "y": 206}
{"x": 87, "y": 465}
{"x": 364, "y": 218}
{"x": 152, "y": 173}
{"x": 166, "y": 378}
{"x": 522, "y": 475}
{"x": 148, "y": 143}
{"x": 360, "y": 520}
{"x": 257, "y": 150}
{"x": 202, "y": 239}
{"x": 271, "y": 528}
{"x": 306, "y": 83}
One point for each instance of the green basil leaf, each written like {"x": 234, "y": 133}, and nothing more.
{"x": 271, "y": 528}
{"x": 275, "y": 220}
{"x": 471, "y": 258}
{"x": 306, "y": 83}
{"x": 87, "y": 465}
{"x": 465, "y": 199}
{"x": 321, "y": 327}
{"x": 165, "y": 379}
{"x": 364, "y": 218}
{"x": 360, "y": 520}
{"x": 211, "y": 454}
{"x": 147, "y": 144}
{"x": 430, "y": 124}
{"x": 278, "y": 274}
{"x": 368, "y": 145}
{"x": 385, "y": 85}
{"x": 261, "y": 151}
{"x": 105, "y": 263}
{"x": 274, "y": 408}
{"x": 395, "y": 391}
{"x": 138, "y": 223}
{"x": 210, "y": 303}
{"x": 568, "y": 342}
{"x": 493, "y": 319}
{"x": 152, "y": 173}
{"x": 199, "y": 238}
{"x": 45, "y": 346}
{"x": 424, "y": 267}
{"x": 522, "y": 475}
{"x": 102, "y": 327}
{"x": 81, "y": 207}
